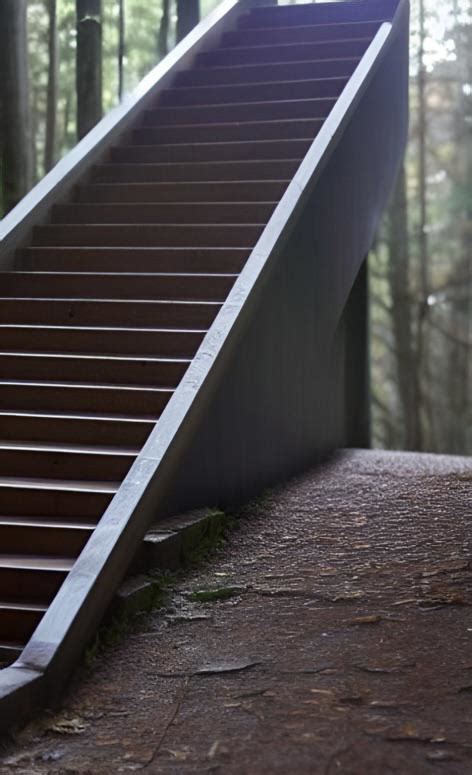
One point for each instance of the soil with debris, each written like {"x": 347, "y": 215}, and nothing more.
{"x": 331, "y": 634}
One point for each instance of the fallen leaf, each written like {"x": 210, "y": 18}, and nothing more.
{"x": 68, "y": 725}
{"x": 394, "y": 668}
{"x": 181, "y": 756}
{"x": 227, "y": 666}
{"x": 405, "y": 601}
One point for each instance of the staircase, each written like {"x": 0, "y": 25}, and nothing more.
{"x": 106, "y": 304}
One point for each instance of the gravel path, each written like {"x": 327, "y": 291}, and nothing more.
{"x": 331, "y": 634}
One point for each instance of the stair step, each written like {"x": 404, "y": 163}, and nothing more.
{"x": 170, "y": 259}
{"x": 308, "y": 33}
{"x": 164, "y": 213}
{"x": 318, "y": 13}
{"x": 81, "y": 501}
{"x": 263, "y": 73}
{"x": 149, "y": 286}
{"x": 92, "y": 369}
{"x": 9, "y": 652}
{"x": 106, "y": 312}
{"x": 215, "y": 191}
{"x": 53, "y": 539}
{"x": 108, "y": 341}
{"x": 147, "y": 235}
{"x": 198, "y": 172}
{"x": 283, "y": 52}
{"x": 317, "y": 107}
{"x": 37, "y": 461}
{"x": 212, "y": 152}
{"x": 74, "y": 428}
{"x": 254, "y": 92}
{"x": 18, "y": 621}
{"x": 238, "y": 131}
{"x": 88, "y": 398}
{"x": 32, "y": 578}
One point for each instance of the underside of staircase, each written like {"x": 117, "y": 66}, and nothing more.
{"x": 109, "y": 298}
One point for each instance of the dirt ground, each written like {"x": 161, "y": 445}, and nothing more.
{"x": 331, "y": 634}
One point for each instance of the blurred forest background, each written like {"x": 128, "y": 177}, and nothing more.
{"x": 421, "y": 265}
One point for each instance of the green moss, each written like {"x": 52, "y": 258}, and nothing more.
{"x": 210, "y": 595}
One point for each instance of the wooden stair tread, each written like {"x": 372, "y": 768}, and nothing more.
{"x": 45, "y": 523}
{"x": 59, "y": 485}
{"x": 33, "y": 562}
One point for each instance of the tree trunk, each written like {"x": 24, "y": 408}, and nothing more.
{"x": 188, "y": 16}
{"x": 424, "y": 282}
{"x": 15, "y": 127}
{"x": 121, "y": 46}
{"x": 89, "y": 65}
{"x": 459, "y": 322}
{"x": 163, "y": 37}
{"x": 51, "y": 115}
{"x": 405, "y": 356}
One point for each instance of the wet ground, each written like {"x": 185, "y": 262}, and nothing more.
{"x": 331, "y": 634}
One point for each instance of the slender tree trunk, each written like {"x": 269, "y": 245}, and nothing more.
{"x": 15, "y": 127}
{"x": 51, "y": 109}
{"x": 424, "y": 283}
{"x": 121, "y": 46}
{"x": 89, "y": 65}
{"x": 163, "y": 37}
{"x": 459, "y": 319}
{"x": 188, "y": 16}
{"x": 405, "y": 356}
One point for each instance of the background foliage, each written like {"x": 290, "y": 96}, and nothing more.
{"x": 421, "y": 266}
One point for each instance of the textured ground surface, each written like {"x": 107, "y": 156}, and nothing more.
{"x": 339, "y": 641}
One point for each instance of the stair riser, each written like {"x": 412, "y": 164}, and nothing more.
{"x": 213, "y": 95}
{"x": 128, "y": 260}
{"x": 53, "y": 504}
{"x": 211, "y": 152}
{"x": 107, "y": 313}
{"x": 100, "y": 371}
{"x": 45, "y": 541}
{"x": 264, "y": 131}
{"x": 286, "y": 71}
{"x": 177, "y": 344}
{"x": 30, "y": 585}
{"x": 197, "y": 173}
{"x": 254, "y": 111}
{"x": 83, "y": 286}
{"x": 18, "y": 625}
{"x": 148, "y": 236}
{"x": 8, "y": 654}
{"x": 63, "y": 465}
{"x": 250, "y": 212}
{"x": 301, "y": 52}
{"x": 74, "y": 431}
{"x": 302, "y": 34}
{"x": 324, "y": 13}
{"x": 91, "y": 400}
